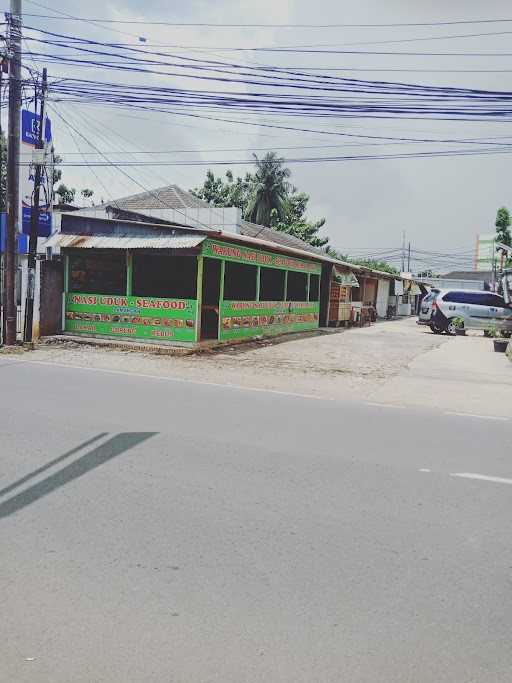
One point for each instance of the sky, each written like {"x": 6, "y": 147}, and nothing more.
{"x": 441, "y": 203}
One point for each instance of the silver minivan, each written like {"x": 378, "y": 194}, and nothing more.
{"x": 478, "y": 309}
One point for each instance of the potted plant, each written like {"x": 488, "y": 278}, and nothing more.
{"x": 500, "y": 344}
{"x": 459, "y": 326}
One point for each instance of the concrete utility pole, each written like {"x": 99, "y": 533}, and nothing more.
{"x": 13, "y": 169}
{"x": 34, "y": 219}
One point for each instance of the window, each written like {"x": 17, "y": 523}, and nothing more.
{"x": 297, "y": 286}
{"x": 314, "y": 287}
{"x": 494, "y": 300}
{"x": 164, "y": 276}
{"x": 475, "y": 298}
{"x": 461, "y": 297}
{"x": 239, "y": 282}
{"x": 271, "y": 284}
{"x": 97, "y": 273}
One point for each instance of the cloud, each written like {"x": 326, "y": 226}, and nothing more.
{"x": 442, "y": 203}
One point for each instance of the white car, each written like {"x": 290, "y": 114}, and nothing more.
{"x": 479, "y": 310}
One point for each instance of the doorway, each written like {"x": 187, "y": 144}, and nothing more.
{"x": 211, "y": 298}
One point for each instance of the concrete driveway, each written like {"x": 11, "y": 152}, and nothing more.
{"x": 463, "y": 374}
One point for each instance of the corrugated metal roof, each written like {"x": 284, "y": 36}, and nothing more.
{"x": 131, "y": 240}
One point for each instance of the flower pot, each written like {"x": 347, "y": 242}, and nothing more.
{"x": 500, "y": 345}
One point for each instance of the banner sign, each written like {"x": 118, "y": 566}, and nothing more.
{"x": 131, "y": 316}
{"x": 30, "y": 123}
{"x": 346, "y": 279}
{"x": 239, "y": 319}
{"x": 255, "y": 257}
{"x": 30, "y": 128}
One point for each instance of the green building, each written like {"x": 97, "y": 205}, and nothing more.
{"x": 171, "y": 283}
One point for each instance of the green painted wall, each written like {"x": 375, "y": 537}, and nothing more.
{"x": 242, "y": 319}
{"x": 132, "y": 317}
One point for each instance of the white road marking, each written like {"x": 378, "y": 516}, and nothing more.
{"x": 480, "y": 417}
{"x": 483, "y": 477}
{"x": 384, "y": 405}
{"x": 424, "y": 470}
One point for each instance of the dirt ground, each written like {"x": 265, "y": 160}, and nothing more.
{"x": 340, "y": 364}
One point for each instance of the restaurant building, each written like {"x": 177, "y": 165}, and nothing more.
{"x": 170, "y": 283}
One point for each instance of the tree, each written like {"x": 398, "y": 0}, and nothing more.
{"x": 286, "y": 207}
{"x": 269, "y": 189}
{"x": 503, "y": 226}
{"x": 228, "y": 192}
{"x": 293, "y": 220}
{"x": 57, "y": 172}
{"x": 66, "y": 194}
{"x": 86, "y": 193}
{"x": 374, "y": 264}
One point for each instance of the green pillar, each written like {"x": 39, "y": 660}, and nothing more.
{"x": 199, "y": 296}
{"x": 221, "y": 295}
{"x": 258, "y": 280}
{"x": 66, "y": 290}
{"x": 129, "y": 273}
{"x": 66, "y": 273}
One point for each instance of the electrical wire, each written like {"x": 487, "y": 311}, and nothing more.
{"x": 267, "y": 25}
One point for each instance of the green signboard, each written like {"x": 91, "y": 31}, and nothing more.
{"x": 255, "y": 257}
{"x": 131, "y": 316}
{"x": 240, "y": 319}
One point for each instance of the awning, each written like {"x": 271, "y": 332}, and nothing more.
{"x": 345, "y": 279}
{"x": 131, "y": 240}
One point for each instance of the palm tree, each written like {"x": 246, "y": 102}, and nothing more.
{"x": 270, "y": 189}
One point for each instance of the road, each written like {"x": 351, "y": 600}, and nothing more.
{"x": 158, "y": 530}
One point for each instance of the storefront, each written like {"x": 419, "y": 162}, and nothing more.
{"x": 340, "y": 301}
{"x": 186, "y": 289}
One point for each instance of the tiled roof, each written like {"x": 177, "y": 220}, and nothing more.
{"x": 169, "y": 197}
{"x": 282, "y": 238}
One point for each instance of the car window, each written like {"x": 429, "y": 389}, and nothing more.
{"x": 475, "y": 298}
{"x": 456, "y": 297}
{"x": 494, "y": 300}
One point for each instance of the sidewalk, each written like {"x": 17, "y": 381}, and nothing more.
{"x": 347, "y": 364}
{"x": 462, "y": 375}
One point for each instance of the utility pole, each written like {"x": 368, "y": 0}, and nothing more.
{"x": 13, "y": 169}
{"x": 409, "y": 259}
{"x": 403, "y": 251}
{"x": 34, "y": 218}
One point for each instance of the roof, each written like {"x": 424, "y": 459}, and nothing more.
{"x": 168, "y": 197}
{"x": 479, "y": 275}
{"x": 251, "y": 233}
{"x": 128, "y": 240}
{"x": 277, "y": 237}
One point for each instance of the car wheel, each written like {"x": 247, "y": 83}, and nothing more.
{"x": 435, "y": 329}
{"x": 450, "y": 328}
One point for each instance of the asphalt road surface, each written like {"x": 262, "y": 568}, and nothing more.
{"x": 155, "y": 530}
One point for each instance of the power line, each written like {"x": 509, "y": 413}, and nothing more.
{"x": 147, "y": 22}
{"x": 145, "y": 189}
